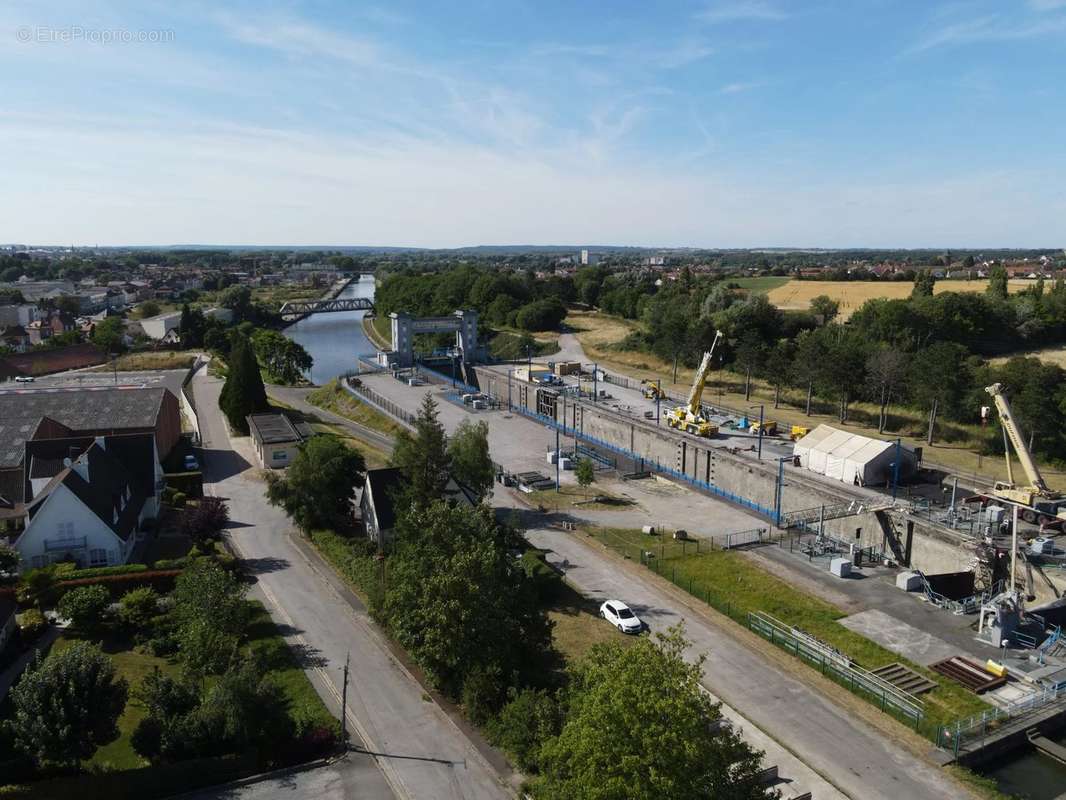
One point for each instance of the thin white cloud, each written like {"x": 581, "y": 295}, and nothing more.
{"x": 740, "y": 87}
{"x": 740, "y": 10}
{"x": 685, "y": 52}
{"x": 1047, "y": 5}
{"x": 989, "y": 28}
{"x": 300, "y": 39}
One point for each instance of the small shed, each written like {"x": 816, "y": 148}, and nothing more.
{"x": 852, "y": 458}
{"x": 276, "y": 439}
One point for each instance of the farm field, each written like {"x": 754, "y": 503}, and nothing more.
{"x": 1049, "y": 355}
{"x": 760, "y": 285}
{"x": 797, "y": 295}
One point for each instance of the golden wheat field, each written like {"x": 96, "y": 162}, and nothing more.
{"x": 852, "y": 294}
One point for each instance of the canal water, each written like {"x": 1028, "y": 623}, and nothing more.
{"x": 335, "y": 339}
{"x": 1029, "y": 775}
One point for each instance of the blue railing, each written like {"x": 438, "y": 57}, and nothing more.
{"x": 651, "y": 464}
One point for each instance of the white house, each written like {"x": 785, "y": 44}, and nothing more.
{"x": 159, "y": 326}
{"x": 377, "y": 503}
{"x": 88, "y": 508}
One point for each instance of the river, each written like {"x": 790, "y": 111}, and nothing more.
{"x": 335, "y": 339}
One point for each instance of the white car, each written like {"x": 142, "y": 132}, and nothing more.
{"x": 621, "y": 616}
{"x": 23, "y": 379}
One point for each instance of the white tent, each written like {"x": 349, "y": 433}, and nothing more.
{"x": 849, "y": 457}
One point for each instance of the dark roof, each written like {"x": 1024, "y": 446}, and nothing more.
{"x": 273, "y": 429}
{"x": 383, "y": 484}
{"x": 42, "y": 362}
{"x": 78, "y": 409}
{"x": 102, "y": 493}
{"x": 134, "y": 451}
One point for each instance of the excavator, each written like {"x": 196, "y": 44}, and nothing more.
{"x": 690, "y": 417}
{"x": 1036, "y": 502}
{"x": 652, "y": 390}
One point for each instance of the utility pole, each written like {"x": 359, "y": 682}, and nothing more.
{"x": 558, "y": 458}
{"x": 595, "y": 383}
{"x": 344, "y": 703}
{"x": 658, "y": 397}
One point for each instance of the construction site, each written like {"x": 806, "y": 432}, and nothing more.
{"x": 962, "y": 583}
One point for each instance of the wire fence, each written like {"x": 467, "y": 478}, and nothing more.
{"x": 379, "y": 401}
{"x": 964, "y": 734}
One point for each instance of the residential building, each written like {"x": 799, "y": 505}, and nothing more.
{"x": 88, "y": 508}
{"x": 277, "y": 440}
{"x": 22, "y": 314}
{"x": 159, "y": 326}
{"x": 15, "y": 337}
{"x": 377, "y": 503}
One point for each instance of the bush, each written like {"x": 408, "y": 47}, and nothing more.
{"x": 97, "y": 572}
{"x": 524, "y": 724}
{"x": 483, "y": 693}
{"x": 85, "y": 606}
{"x": 32, "y": 624}
{"x": 178, "y": 500}
{"x": 138, "y": 607}
{"x": 161, "y": 646}
{"x": 205, "y": 521}
{"x": 546, "y": 580}
{"x": 162, "y": 580}
{"x": 189, "y": 483}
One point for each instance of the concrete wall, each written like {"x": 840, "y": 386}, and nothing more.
{"x": 927, "y": 547}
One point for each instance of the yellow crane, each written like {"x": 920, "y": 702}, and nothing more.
{"x": 1036, "y": 496}
{"x": 690, "y": 417}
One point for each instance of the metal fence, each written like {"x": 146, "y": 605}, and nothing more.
{"x": 834, "y": 665}
{"x": 382, "y": 403}
{"x": 963, "y": 734}
{"x": 653, "y": 465}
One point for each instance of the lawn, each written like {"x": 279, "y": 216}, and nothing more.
{"x": 379, "y": 331}
{"x": 123, "y": 773}
{"x": 570, "y": 496}
{"x": 797, "y": 295}
{"x": 759, "y": 285}
{"x": 577, "y": 625}
{"x": 149, "y": 361}
{"x": 733, "y": 584}
{"x": 333, "y": 397}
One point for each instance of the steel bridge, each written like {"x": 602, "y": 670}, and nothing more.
{"x": 295, "y": 308}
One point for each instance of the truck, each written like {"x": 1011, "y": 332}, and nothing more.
{"x": 1036, "y": 502}
{"x": 690, "y": 417}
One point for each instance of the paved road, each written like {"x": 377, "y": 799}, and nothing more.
{"x": 861, "y": 762}
{"x": 336, "y": 781}
{"x": 421, "y": 752}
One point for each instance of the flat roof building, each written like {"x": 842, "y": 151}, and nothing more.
{"x": 276, "y": 439}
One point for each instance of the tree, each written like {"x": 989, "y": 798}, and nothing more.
{"x": 9, "y": 559}
{"x": 541, "y": 315}
{"x": 471, "y": 463}
{"x": 319, "y": 486}
{"x": 779, "y": 367}
{"x": 826, "y": 307}
{"x": 528, "y": 720}
{"x": 149, "y": 308}
{"x": 639, "y": 727}
{"x": 205, "y": 521}
{"x": 886, "y": 369}
{"x": 284, "y": 359}
{"x": 459, "y": 602}
{"x": 206, "y": 592}
{"x": 998, "y": 282}
{"x": 67, "y": 705}
{"x": 191, "y": 327}
{"x": 138, "y": 606}
{"x": 924, "y": 281}
{"x": 749, "y": 356}
{"x": 243, "y": 392}
{"x": 239, "y": 300}
{"x": 423, "y": 457}
{"x": 585, "y": 474}
{"x": 69, "y": 305}
{"x": 85, "y": 606}
{"x": 938, "y": 378}
{"x": 109, "y": 335}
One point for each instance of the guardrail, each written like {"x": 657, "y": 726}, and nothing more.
{"x": 368, "y": 395}
{"x": 836, "y": 665}
{"x": 958, "y": 735}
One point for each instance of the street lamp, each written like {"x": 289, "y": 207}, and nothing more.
{"x": 779, "y": 489}
{"x": 658, "y": 397}
{"x": 895, "y": 471}
{"x": 761, "y": 410}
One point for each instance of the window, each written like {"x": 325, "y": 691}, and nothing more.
{"x": 280, "y": 455}
{"x": 97, "y": 557}
{"x": 65, "y": 530}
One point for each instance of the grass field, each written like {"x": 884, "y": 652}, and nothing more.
{"x": 164, "y": 359}
{"x": 727, "y": 577}
{"x": 578, "y": 627}
{"x": 759, "y": 285}
{"x": 797, "y": 295}
{"x": 333, "y": 397}
{"x": 1049, "y": 355}
{"x": 570, "y": 496}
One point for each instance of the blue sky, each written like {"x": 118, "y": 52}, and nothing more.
{"x": 722, "y": 123}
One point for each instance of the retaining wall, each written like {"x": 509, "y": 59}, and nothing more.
{"x": 658, "y": 448}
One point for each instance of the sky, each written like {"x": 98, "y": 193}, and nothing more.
{"x": 715, "y": 123}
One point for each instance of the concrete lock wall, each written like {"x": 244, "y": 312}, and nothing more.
{"x": 907, "y": 539}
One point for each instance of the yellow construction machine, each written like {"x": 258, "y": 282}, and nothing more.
{"x": 1037, "y": 502}
{"x": 652, "y": 390}
{"x": 769, "y": 427}
{"x": 798, "y": 432}
{"x": 690, "y": 417}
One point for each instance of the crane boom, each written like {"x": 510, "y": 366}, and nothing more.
{"x": 696, "y": 392}
{"x": 1036, "y": 480}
